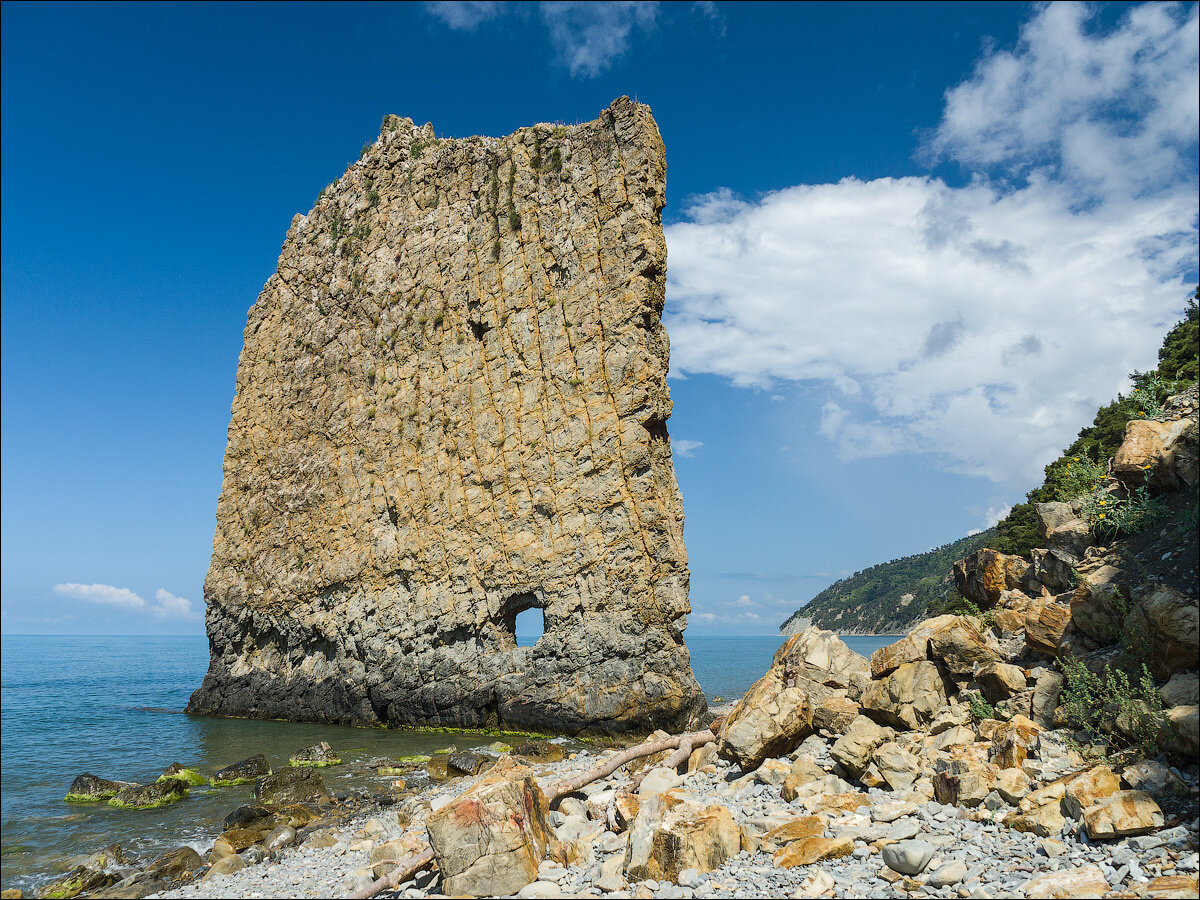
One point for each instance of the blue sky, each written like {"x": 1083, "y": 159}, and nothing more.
{"x": 911, "y": 249}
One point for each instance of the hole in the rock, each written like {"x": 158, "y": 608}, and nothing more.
{"x": 479, "y": 330}
{"x": 530, "y": 624}
{"x": 521, "y": 616}
{"x": 657, "y": 428}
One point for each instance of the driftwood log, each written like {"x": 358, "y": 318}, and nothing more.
{"x": 683, "y": 744}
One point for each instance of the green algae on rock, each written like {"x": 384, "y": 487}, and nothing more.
{"x": 317, "y": 756}
{"x": 150, "y": 796}
{"x": 242, "y": 772}
{"x": 191, "y": 776}
{"x": 88, "y": 788}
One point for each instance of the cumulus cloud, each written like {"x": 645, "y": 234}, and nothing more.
{"x": 686, "y": 448}
{"x": 102, "y": 594}
{"x": 165, "y": 606}
{"x": 981, "y": 324}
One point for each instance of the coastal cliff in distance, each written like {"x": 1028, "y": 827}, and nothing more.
{"x": 451, "y": 407}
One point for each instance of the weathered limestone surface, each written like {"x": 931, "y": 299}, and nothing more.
{"x": 451, "y": 407}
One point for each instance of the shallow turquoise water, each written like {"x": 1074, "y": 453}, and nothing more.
{"x": 112, "y": 706}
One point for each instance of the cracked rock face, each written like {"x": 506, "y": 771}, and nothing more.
{"x": 451, "y": 407}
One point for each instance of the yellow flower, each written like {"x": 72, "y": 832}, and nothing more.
{"x": 1076, "y": 459}
{"x": 1102, "y": 515}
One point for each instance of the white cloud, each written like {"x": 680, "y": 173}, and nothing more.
{"x": 172, "y": 607}
{"x": 464, "y": 15}
{"x": 686, "y": 448}
{"x": 589, "y": 36}
{"x": 103, "y": 594}
{"x": 982, "y": 324}
{"x": 166, "y": 605}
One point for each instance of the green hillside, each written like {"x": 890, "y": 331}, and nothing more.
{"x": 889, "y": 597}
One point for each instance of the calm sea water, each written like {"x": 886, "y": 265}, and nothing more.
{"x": 112, "y": 706}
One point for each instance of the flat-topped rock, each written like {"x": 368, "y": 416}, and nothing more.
{"x": 451, "y": 408}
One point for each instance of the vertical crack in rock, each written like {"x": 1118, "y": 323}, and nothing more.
{"x": 451, "y": 406}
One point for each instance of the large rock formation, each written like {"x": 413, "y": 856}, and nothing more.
{"x": 451, "y": 407}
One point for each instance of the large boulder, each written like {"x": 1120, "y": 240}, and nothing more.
{"x": 983, "y": 575}
{"x": 1159, "y": 454}
{"x": 291, "y": 785}
{"x": 913, "y": 647}
{"x": 1181, "y": 689}
{"x": 999, "y": 681}
{"x": 1053, "y": 568}
{"x": 819, "y": 656}
{"x": 491, "y": 840}
{"x": 1122, "y": 814}
{"x": 1062, "y": 527}
{"x": 671, "y": 834}
{"x": 908, "y": 698}
{"x": 1180, "y": 730}
{"x": 1173, "y": 621}
{"x": 1046, "y": 624}
{"x": 854, "y": 749}
{"x": 960, "y": 646}
{"x": 770, "y": 720}
{"x": 1099, "y": 602}
{"x": 1089, "y": 788}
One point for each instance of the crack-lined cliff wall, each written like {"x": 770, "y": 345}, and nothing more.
{"x": 451, "y": 406}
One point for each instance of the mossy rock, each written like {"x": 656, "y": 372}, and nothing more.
{"x": 76, "y": 882}
{"x": 499, "y": 747}
{"x": 243, "y": 772}
{"x": 88, "y": 788}
{"x": 191, "y": 776}
{"x": 317, "y": 756}
{"x": 151, "y": 796}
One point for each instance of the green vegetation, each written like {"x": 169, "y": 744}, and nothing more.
{"x": 416, "y": 148}
{"x": 1114, "y": 710}
{"x": 1178, "y": 363}
{"x": 191, "y": 776}
{"x": 514, "y": 220}
{"x": 1109, "y": 516}
{"x": 874, "y": 599}
{"x": 981, "y": 709}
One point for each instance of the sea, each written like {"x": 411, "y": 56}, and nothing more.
{"x": 113, "y": 706}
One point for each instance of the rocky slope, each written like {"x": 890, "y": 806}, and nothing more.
{"x": 451, "y": 407}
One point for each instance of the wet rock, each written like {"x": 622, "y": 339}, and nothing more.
{"x": 468, "y": 762}
{"x": 88, "y": 788}
{"x": 671, "y": 834}
{"x": 279, "y": 837}
{"x": 248, "y": 816}
{"x": 178, "y": 863}
{"x": 80, "y": 880}
{"x": 908, "y": 698}
{"x": 1123, "y": 814}
{"x": 243, "y": 771}
{"x": 1084, "y": 881}
{"x": 541, "y": 751}
{"x": 318, "y": 756}
{"x": 150, "y": 796}
{"x": 176, "y": 770}
{"x": 770, "y": 720}
{"x": 292, "y": 785}
{"x": 491, "y": 840}
{"x": 225, "y": 866}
